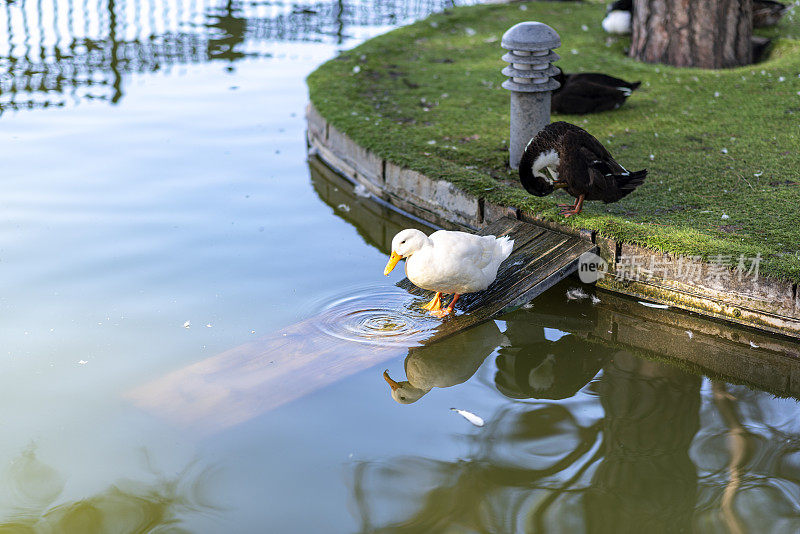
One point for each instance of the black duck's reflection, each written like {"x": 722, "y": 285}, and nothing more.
{"x": 446, "y": 363}
{"x": 531, "y": 366}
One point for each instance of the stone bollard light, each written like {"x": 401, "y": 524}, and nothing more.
{"x": 530, "y": 59}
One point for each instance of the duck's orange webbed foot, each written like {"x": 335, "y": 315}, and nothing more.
{"x": 568, "y": 210}
{"x": 448, "y": 310}
{"x": 435, "y": 303}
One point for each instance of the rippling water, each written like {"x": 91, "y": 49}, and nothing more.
{"x": 378, "y": 315}
{"x": 166, "y": 250}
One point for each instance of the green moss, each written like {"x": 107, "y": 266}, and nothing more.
{"x": 428, "y": 97}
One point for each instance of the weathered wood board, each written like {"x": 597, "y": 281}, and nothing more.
{"x": 757, "y": 358}
{"x": 540, "y": 259}
{"x": 256, "y": 377}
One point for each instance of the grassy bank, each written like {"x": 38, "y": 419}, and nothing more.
{"x": 722, "y": 147}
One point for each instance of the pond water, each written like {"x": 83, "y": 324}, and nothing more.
{"x": 185, "y": 300}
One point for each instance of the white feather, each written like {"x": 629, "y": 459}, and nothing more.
{"x": 654, "y": 305}
{"x": 542, "y": 376}
{"x": 469, "y": 416}
{"x": 577, "y": 293}
{"x": 529, "y": 143}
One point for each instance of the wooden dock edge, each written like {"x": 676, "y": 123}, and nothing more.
{"x": 759, "y": 302}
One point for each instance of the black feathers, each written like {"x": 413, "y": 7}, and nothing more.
{"x": 620, "y": 5}
{"x": 590, "y": 92}
{"x": 631, "y": 181}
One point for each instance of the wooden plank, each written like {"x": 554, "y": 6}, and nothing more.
{"x": 561, "y": 264}
{"x": 256, "y": 377}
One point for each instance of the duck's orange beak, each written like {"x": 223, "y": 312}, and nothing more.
{"x": 393, "y": 259}
{"x": 392, "y": 384}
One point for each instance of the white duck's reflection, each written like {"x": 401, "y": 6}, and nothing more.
{"x": 447, "y": 363}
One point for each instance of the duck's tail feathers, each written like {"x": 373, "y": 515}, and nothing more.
{"x": 628, "y": 182}
{"x": 628, "y": 88}
{"x": 506, "y": 245}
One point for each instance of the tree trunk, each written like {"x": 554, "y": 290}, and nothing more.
{"x": 709, "y": 34}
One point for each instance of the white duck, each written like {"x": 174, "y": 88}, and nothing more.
{"x": 449, "y": 262}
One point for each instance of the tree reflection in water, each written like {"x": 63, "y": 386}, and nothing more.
{"x": 642, "y": 448}
{"x": 646, "y": 481}
{"x": 128, "y": 506}
{"x": 48, "y": 60}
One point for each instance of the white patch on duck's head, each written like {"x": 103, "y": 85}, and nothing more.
{"x": 408, "y": 241}
{"x": 548, "y": 159}
{"x": 542, "y": 377}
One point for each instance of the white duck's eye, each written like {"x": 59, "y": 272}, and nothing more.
{"x": 403, "y": 242}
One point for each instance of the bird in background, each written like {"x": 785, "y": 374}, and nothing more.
{"x": 589, "y": 92}
{"x": 565, "y": 156}
{"x": 618, "y": 17}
